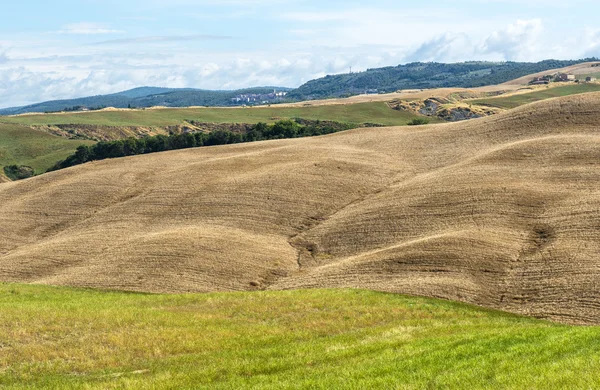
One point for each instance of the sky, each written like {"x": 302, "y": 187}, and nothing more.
{"x": 64, "y": 49}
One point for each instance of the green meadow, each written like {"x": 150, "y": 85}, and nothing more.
{"x": 359, "y": 113}
{"x": 20, "y": 145}
{"x": 67, "y": 338}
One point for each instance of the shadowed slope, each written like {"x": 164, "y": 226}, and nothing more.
{"x": 501, "y": 212}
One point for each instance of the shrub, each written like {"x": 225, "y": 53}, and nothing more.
{"x": 418, "y": 122}
{"x": 18, "y": 172}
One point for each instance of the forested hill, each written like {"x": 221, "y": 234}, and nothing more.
{"x": 151, "y": 97}
{"x": 420, "y": 75}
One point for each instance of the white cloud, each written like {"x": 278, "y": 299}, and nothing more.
{"x": 592, "y": 43}
{"x": 62, "y": 66}
{"x": 518, "y": 41}
{"x": 446, "y": 48}
{"x": 85, "y": 28}
{"x": 164, "y": 38}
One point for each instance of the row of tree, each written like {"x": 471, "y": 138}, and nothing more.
{"x": 159, "y": 143}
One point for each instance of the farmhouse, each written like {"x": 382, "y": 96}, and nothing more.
{"x": 541, "y": 80}
{"x": 565, "y": 77}
{"x": 590, "y": 79}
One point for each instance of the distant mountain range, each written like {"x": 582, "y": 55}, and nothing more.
{"x": 153, "y": 96}
{"x": 417, "y": 75}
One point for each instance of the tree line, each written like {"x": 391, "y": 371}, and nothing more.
{"x": 159, "y": 143}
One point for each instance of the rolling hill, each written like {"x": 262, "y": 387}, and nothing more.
{"x": 381, "y": 80}
{"x": 419, "y": 75}
{"x": 377, "y": 112}
{"x": 516, "y": 100}
{"x": 501, "y": 212}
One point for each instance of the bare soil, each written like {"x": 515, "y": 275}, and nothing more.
{"x": 503, "y": 212}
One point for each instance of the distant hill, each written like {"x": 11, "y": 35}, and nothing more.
{"x": 419, "y": 75}
{"x": 154, "y": 96}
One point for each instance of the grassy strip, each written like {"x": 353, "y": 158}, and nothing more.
{"x": 526, "y": 98}
{"x": 21, "y": 145}
{"x": 377, "y": 112}
{"x": 68, "y": 338}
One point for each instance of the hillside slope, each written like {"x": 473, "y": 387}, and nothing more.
{"x": 576, "y": 69}
{"x": 501, "y": 212}
{"x": 22, "y": 145}
{"x": 419, "y": 75}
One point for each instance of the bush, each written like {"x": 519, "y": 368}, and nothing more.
{"x": 18, "y": 172}
{"x": 418, "y": 122}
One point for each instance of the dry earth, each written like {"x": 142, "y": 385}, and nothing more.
{"x": 502, "y": 212}
{"x": 411, "y": 94}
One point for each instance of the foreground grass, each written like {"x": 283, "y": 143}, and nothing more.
{"x": 21, "y": 145}
{"x": 68, "y": 338}
{"x": 377, "y": 112}
{"x": 519, "y": 100}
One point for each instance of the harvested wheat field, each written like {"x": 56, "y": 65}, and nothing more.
{"x": 502, "y": 212}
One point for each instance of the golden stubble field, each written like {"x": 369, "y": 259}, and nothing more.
{"x": 501, "y": 212}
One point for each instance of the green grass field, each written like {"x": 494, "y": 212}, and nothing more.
{"x": 355, "y": 113}
{"x": 320, "y": 339}
{"x": 21, "y": 145}
{"x": 583, "y": 76}
{"x": 519, "y": 100}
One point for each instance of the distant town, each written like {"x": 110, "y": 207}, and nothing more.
{"x": 256, "y": 98}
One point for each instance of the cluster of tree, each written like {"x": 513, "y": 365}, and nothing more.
{"x": 160, "y": 143}
{"x": 420, "y": 75}
{"x": 77, "y": 108}
{"x": 18, "y": 172}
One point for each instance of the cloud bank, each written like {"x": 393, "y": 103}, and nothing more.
{"x": 73, "y": 62}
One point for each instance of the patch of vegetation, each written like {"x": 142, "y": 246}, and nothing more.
{"x": 526, "y": 98}
{"x": 326, "y": 339}
{"x": 582, "y": 77}
{"x": 418, "y": 122}
{"x": 259, "y": 132}
{"x": 18, "y": 172}
{"x": 22, "y": 146}
{"x": 372, "y": 112}
{"x": 419, "y": 75}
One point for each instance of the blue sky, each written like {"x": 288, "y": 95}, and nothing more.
{"x": 63, "y": 49}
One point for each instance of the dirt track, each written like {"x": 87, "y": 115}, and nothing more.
{"x": 502, "y": 212}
